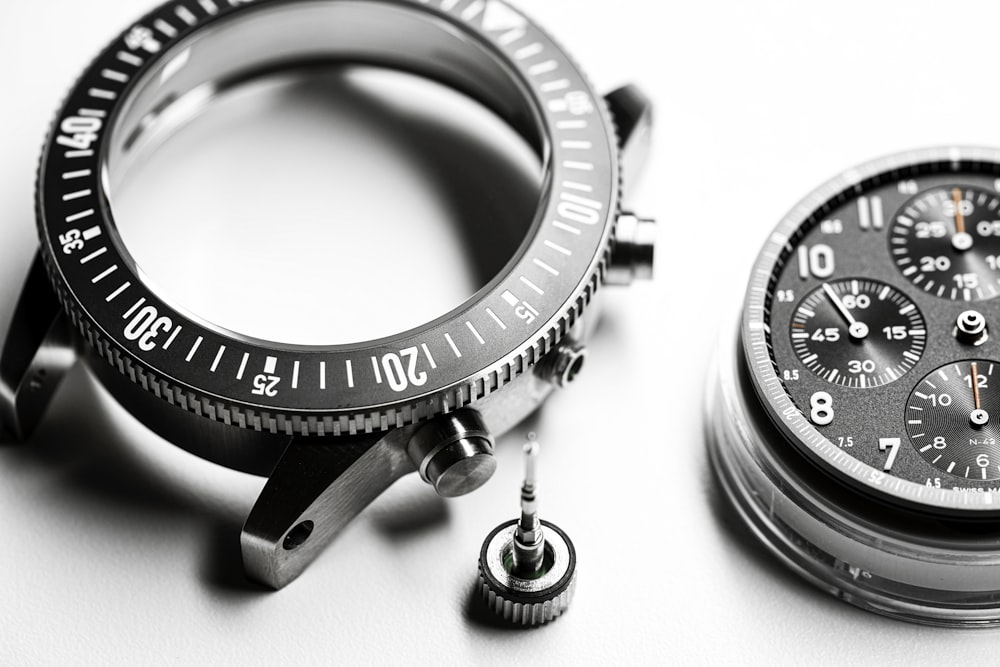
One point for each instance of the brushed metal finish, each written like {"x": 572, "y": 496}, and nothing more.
{"x": 325, "y": 485}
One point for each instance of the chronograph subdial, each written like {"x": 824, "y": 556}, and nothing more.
{"x": 858, "y": 333}
{"x": 947, "y": 242}
{"x": 953, "y": 419}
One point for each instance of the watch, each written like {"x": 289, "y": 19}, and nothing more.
{"x": 331, "y": 426}
{"x": 855, "y": 423}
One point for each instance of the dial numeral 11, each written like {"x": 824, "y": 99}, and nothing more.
{"x": 870, "y": 213}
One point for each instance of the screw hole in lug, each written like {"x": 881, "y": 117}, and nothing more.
{"x": 298, "y": 535}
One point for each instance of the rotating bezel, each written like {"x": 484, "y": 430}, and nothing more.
{"x": 475, "y": 350}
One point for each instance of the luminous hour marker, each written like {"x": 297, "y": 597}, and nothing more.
{"x": 131, "y": 311}
{"x": 79, "y": 194}
{"x": 104, "y": 274}
{"x": 553, "y": 86}
{"x": 475, "y": 333}
{"x": 511, "y": 36}
{"x": 454, "y": 348}
{"x": 194, "y": 349}
{"x": 270, "y": 365}
{"x": 489, "y": 311}
{"x": 114, "y": 295}
{"x": 542, "y": 265}
{"x": 243, "y": 366}
{"x": 130, "y": 58}
{"x": 427, "y": 353}
{"x": 558, "y": 248}
{"x": 528, "y": 51}
{"x": 94, "y": 255}
{"x": 173, "y": 335}
{"x": 218, "y": 358}
{"x": 184, "y": 14}
{"x": 81, "y": 215}
{"x": 165, "y": 28}
{"x": 533, "y": 286}
{"x": 350, "y": 373}
{"x": 114, "y": 75}
{"x": 543, "y": 68}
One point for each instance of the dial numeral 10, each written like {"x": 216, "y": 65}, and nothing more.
{"x": 817, "y": 261}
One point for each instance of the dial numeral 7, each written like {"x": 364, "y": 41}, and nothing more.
{"x": 892, "y": 445}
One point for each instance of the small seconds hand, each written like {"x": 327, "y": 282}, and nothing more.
{"x": 857, "y": 330}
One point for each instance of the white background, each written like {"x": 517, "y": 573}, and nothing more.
{"x": 118, "y": 548}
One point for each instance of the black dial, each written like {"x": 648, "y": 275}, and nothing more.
{"x": 946, "y": 241}
{"x": 858, "y": 333}
{"x": 953, "y": 419}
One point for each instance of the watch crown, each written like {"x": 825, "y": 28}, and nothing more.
{"x": 527, "y": 566}
{"x": 632, "y": 256}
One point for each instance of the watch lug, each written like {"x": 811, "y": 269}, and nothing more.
{"x": 313, "y": 493}
{"x": 633, "y": 115}
{"x": 36, "y": 356}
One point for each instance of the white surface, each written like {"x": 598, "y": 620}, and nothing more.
{"x": 120, "y": 549}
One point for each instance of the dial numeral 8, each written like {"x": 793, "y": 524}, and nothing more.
{"x": 821, "y": 408}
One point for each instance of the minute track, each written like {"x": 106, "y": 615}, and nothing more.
{"x": 465, "y": 356}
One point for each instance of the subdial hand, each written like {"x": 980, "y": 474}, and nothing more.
{"x": 962, "y": 240}
{"x": 857, "y": 330}
{"x": 978, "y": 417}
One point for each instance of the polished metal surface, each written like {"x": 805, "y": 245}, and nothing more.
{"x": 632, "y": 259}
{"x": 454, "y": 453}
{"x": 36, "y": 355}
{"x": 528, "y": 554}
{"x": 335, "y": 425}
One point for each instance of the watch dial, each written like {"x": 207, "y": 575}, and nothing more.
{"x": 874, "y": 297}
